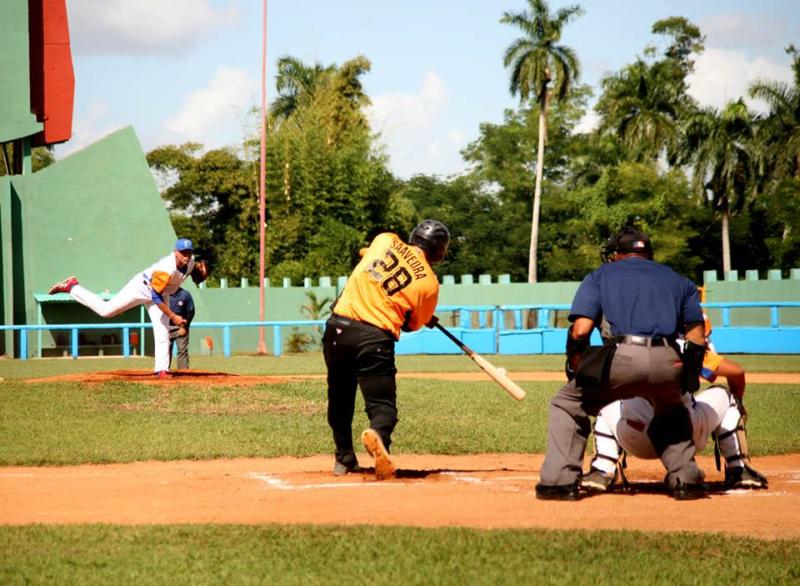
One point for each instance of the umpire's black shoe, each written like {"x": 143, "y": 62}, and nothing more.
{"x": 689, "y": 492}
{"x": 557, "y": 492}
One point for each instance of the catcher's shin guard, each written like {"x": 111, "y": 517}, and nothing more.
{"x": 731, "y": 442}
{"x": 731, "y": 435}
{"x": 606, "y": 448}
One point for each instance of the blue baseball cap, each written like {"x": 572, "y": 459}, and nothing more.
{"x": 183, "y": 244}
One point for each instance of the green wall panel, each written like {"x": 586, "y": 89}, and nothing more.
{"x": 16, "y": 119}
{"x": 96, "y": 214}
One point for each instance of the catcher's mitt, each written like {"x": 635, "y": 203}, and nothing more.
{"x": 200, "y": 272}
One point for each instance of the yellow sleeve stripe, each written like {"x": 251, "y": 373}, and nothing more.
{"x": 159, "y": 281}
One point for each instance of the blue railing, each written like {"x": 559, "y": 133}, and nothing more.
{"x": 533, "y": 329}
{"x": 126, "y": 328}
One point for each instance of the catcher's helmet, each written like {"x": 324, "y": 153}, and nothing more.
{"x": 629, "y": 240}
{"x": 433, "y": 237}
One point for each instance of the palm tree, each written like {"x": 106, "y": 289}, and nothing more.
{"x": 782, "y": 125}
{"x": 537, "y": 61}
{"x": 643, "y": 103}
{"x": 640, "y": 105}
{"x": 295, "y": 82}
{"x": 298, "y": 83}
{"x": 719, "y": 147}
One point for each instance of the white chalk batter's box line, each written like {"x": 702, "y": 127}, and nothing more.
{"x": 281, "y": 484}
{"x": 459, "y": 477}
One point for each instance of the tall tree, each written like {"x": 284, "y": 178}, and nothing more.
{"x": 782, "y": 124}
{"x": 212, "y": 198}
{"x": 537, "y": 60}
{"x": 644, "y": 102}
{"x": 778, "y": 135}
{"x": 719, "y": 147}
{"x": 295, "y": 82}
{"x": 639, "y": 106}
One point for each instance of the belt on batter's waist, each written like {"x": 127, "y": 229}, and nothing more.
{"x": 347, "y": 321}
{"x": 647, "y": 341}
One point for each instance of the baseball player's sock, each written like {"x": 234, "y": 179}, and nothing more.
{"x": 64, "y": 286}
{"x": 384, "y": 469}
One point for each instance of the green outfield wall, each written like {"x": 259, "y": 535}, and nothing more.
{"x": 96, "y": 214}
{"x": 285, "y": 303}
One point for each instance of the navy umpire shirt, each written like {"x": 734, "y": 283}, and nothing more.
{"x": 638, "y": 297}
{"x": 181, "y": 303}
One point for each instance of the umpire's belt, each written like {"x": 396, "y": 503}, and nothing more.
{"x": 647, "y": 341}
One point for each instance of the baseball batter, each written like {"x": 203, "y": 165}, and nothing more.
{"x": 151, "y": 288}
{"x": 392, "y": 289}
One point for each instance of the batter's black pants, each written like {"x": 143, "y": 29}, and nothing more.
{"x": 359, "y": 354}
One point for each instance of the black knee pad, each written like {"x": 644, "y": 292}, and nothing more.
{"x": 670, "y": 427}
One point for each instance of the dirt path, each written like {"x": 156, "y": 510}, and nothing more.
{"x": 483, "y": 491}
{"x": 206, "y": 377}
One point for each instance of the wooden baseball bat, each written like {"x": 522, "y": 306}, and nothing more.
{"x": 500, "y": 378}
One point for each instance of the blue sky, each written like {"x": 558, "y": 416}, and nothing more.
{"x": 190, "y": 70}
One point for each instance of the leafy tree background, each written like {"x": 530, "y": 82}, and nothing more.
{"x": 656, "y": 160}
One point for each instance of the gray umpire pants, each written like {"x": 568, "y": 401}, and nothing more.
{"x": 652, "y": 372}
{"x": 183, "y": 348}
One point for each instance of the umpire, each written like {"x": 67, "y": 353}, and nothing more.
{"x": 641, "y": 306}
{"x": 182, "y": 304}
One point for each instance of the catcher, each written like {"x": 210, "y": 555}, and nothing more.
{"x": 151, "y": 288}
{"x": 716, "y": 411}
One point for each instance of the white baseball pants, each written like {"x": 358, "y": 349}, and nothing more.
{"x": 627, "y": 421}
{"x": 134, "y": 293}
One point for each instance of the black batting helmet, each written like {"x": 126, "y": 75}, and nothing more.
{"x": 433, "y": 237}
{"x": 629, "y": 240}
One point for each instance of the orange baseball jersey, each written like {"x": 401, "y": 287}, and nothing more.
{"x": 393, "y": 287}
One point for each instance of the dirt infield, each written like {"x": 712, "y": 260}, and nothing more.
{"x": 481, "y": 491}
{"x": 213, "y": 378}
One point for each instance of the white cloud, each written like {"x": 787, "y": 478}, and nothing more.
{"x": 88, "y": 128}
{"x": 722, "y": 75}
{"x": 411, "y": 127}
{"x": 391, "y": 112}
{"x": 143, "y": 26}
{"x": 212, "y": 113}
{"x": 589, "y": 122}
{"x": 737, "y": 29}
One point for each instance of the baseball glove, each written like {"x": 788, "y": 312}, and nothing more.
{"x": 200, "y": 272}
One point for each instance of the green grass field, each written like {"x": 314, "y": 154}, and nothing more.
{"x": 58, "y": 423}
